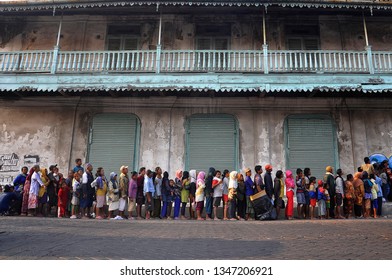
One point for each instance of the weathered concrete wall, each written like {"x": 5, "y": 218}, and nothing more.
{"x": 34, "y": 135}
{"x": 57, "y": 132}
{"x": 85, "y": 32}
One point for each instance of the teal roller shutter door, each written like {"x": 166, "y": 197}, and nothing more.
{"x": 113, "y": 142}
{"x": 311, "y": 143}
{"x": 211, "y": 142}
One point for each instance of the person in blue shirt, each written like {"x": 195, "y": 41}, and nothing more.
{"x": 249, "y": 191}
{"x": 8, "y": 200}
{"x": 78, "y": 166}
{"x": 20, "y": 180}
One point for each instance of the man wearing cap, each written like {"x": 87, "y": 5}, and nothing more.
{"x": 330, "y": 180}
{"x": 124, "y": 182}
{"x": 269, "y": 185}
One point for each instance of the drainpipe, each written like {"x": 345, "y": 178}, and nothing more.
{"x": 368, "y": 48}
{"x": 159, "y": 47}
{"x": 56, "y": 48}
{"x": 73, "y": 134}
{"x": 265, "y": 46}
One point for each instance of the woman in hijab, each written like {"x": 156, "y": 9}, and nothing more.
{"x": 200, "y": 186}
{"x": 192, "y": 193}
{"x": 241, "y": 197}
{"x": 114, "y": 199}
{"x": 209, "y": 193}
{"x": 359, "y": 192}
{"x": 42, "y": 194}
{"x": 26, "y": 191}
{"x": 290, "y": 186}
{"x": 232, "y": 196}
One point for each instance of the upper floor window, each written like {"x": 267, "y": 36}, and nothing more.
{"x": 302, "y": 37}
{"x": 123, "y": 37}
{"x": 215, "y": 37}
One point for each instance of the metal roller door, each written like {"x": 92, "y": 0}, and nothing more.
{"x": 114, "y": 142}
{"x": 211, "y": 141}
{"x": 310, "y": 142}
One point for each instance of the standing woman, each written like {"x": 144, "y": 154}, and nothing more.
{"x": 184, "y": 192}
{"x": 158, "y": 192}
{"x": 36, "y": 183}
{"x": 241, "y": 197}
{"x": 225, "y": 192}
{"x": 102, "y": 186}
{"x": 359, "y": 193}
{"x": 114, "y": 198}
{"x": 278, "y": 192}
{"x": 209, "y": 193}
{"x": 200, "y": 186}
{"x": 26, "y": 191}
{"x": 290, "y": 186}
{"x": 192, "y": 193}
{"x": 232, "y": 196}
{"x": 43, "y": 194}
{"x": 349, "y": 196}
{"x": 149, "y": 191}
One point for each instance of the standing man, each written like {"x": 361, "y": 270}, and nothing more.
{"x": 20, "y": 180}
{"x": 330, "y": 180}
{"x": 258, "y": 180}
{"x": 339, "y": 192}
{"x": 208, "y": 191}
{"x": 269, "y": 185}
{"x": 123, "y": 184}
{"x": 88, "y": 192}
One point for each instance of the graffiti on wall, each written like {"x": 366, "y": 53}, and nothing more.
{"x": 10, "y": 165}
{"x": 9, "y": 162}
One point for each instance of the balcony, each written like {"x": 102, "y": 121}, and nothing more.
{"x": 196, "y": 61}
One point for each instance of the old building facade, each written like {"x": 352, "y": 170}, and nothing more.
{"x": 195, "y": 84}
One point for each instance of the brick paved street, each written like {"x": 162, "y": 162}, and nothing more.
{"x": 50, "y": 238}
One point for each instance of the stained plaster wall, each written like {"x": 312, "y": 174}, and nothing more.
{"x": 86, "y": 32}
{"x": 57, "y": 135}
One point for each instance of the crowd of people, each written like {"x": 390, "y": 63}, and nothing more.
{"x": 80, "y": 194}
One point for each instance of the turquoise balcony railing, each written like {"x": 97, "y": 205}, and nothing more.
{"x": 194, "y": 61}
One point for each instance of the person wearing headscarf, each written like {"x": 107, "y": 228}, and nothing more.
{"x": 192, "y": 192}
{"x": 359, "y": 192}
{"x": 36, "y": 184}
{"x": 290, "y": 186}
{"x": 209, "y": 193}
{"x": 102, "y": 187}
{"x": 43, "y": 194}
{"x": 123, "y": 185}
{"x": 241, "y": 197}
{"x": 26, "y": 191}
{"x": 200, "y": 186}
{"x": 349, "y": 196}
{"x": 233, "y": 185}
{"x": 114, "y": 197}
{"x": 329, "y": 178}
{"x": 249, "y": 186}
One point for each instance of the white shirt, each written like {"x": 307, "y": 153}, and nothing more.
{"x": 36, "y": 182}
{"x": 339, "y": 185}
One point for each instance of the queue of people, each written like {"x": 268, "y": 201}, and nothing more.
{"x": 81, "y": 194}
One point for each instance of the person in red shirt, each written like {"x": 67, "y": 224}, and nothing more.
{"x": 62, "y": 198}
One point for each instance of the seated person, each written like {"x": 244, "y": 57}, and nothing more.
{"x": 8, "y": 200}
